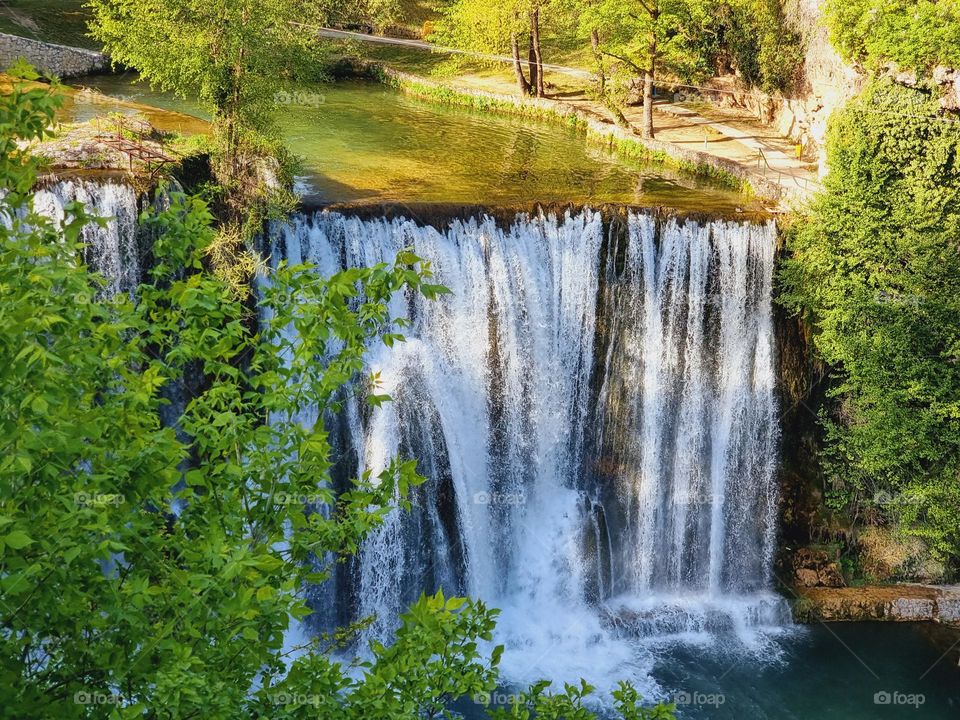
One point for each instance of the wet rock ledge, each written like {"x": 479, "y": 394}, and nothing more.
{"x": 893, "y": 603}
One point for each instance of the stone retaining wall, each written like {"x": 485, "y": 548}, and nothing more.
{"x": 58, "y": 60}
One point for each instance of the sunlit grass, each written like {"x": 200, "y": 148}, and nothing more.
{"x": 56, "y": 21}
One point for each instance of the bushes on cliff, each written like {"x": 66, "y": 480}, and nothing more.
{"x": 875, "y": 269}
{"x": 913, "y": 34}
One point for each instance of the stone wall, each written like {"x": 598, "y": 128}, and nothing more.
{"x": 59, "y": 60}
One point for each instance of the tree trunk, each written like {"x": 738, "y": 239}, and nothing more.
{"x": 648, "y": 81}
{"x": 517, "y": 67}
{"x": 598, "y": 58}
{"x": 618, "y": 116}
{"x": 534, "y": 68}
{"x": 536, "y": 51}
{"x": 648, "y": 105}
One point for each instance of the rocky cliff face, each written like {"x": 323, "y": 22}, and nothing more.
{"x": 827, "y": 83}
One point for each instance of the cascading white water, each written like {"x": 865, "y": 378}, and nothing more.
{"x": 113, "y": 249}
{"x": 594, "y": 408}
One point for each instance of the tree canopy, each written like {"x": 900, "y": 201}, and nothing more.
{"x": 913, "y": 34}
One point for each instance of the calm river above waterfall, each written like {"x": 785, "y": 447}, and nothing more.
{"x": 363, "y": 142}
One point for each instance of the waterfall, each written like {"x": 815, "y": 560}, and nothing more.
{"x": 594, "y": 408}
{"x": 113, "y": 250}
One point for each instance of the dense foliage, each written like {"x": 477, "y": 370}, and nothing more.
{"x": 153, "y": 572}
{"x": 755, "y": 36}
{"x": 875, "y": 268}
{"x": 914, "y": 34}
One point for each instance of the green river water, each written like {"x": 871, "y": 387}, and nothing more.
{"x": 364, "y": 143}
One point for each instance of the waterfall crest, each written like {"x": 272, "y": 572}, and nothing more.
{"x": 594, "y": 408}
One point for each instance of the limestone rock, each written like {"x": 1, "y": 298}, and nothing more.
{"x": 831, "y": 576}
{"x": 894, "y": 603}
{"x": 817, "y": 568}
{"x": 912, "y": 609}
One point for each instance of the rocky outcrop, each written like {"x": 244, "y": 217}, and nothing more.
{"x": 817, "y": 568}
{"x": 949, "y": 81}
{"x": 58, "y": 60}
{"x": 93, "y": 148}
{"x": 826, "y": 84}
{"x": 894, "y": 603}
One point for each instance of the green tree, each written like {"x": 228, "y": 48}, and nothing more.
{"x": 874, "y": 269}
{"x": 914, "y": 34}
{"x": 242, "y": 60}
{"x": 146, "y": 573}
{"x": 497, "y": 27}
{"x": 231, "y": 55}
{"x": 649, "y": 36}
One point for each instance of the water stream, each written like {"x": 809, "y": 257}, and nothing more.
{"x": 363, "y": 142}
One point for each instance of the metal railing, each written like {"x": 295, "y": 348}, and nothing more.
{"x": 763, "y": 166}
{"x": 134, "y": 149}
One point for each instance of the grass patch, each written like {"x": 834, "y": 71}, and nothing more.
{"x": 56, "y": 21}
